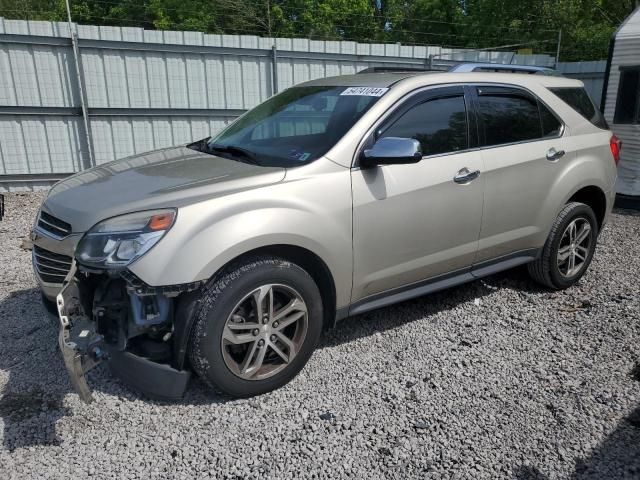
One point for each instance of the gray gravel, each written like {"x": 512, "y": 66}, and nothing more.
{"x": 494, "y": 379}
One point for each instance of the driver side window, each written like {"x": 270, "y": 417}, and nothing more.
{"x": 440, "y": 125}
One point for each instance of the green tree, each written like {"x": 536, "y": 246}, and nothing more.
{"x": 587, "y": 25}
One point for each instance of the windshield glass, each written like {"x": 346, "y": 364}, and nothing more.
{"x": 294, "y": 127}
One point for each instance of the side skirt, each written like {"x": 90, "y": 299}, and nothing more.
{"x": 438, "y": 283}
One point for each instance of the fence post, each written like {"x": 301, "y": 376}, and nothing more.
{"x": 430, "y": 62}
{"x": 274, "y": 70}
{"x": 80, "y": 78}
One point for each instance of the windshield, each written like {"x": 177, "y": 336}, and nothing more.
{"x": 294, "y": 127}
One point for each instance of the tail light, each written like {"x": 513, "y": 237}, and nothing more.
{"x": 615, "y": 145}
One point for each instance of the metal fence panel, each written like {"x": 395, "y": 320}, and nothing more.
{"x": 152, "y": 89}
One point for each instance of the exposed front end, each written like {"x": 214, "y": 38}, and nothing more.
{"x": 106, "y": 313}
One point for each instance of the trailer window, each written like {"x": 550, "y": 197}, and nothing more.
{"x": 628, "y": 102}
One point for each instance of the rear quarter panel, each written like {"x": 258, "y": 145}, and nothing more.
{"x": 589, "y": 163}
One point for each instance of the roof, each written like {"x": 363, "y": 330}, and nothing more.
{"x": 365, "y": 79}
{"x": 432, "y": 78}
{"x": 631, "y": 26}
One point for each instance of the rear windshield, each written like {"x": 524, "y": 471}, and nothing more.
{"x": 579, "y": 100}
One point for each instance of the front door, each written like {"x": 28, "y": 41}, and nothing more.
{"x": 417, "y": 221}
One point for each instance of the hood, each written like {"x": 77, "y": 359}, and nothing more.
{"x": 166, "y": 178}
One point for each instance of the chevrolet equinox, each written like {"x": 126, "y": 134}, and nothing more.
{"x": 227, "y": 257}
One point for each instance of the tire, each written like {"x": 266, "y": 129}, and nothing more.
{"x": 230, "y": 300}
{"x": 549, "y": 268}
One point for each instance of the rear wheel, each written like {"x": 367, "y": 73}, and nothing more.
{"x": 256, "y": 327}
{"x": 569, "y": 248}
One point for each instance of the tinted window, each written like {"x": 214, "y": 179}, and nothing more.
{"x": 628, "y": 103}
{"x": 508, "y": 116}
{"x": 440, "y": 125}
{"x": 551, "y": 126}
{"x": 578, "y": 99}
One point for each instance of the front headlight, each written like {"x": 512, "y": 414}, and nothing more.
{"x": 118, "y": 241}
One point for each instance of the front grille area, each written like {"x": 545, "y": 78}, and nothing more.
{"x": 53, "y": 225}
{"x": 51, "y": 267}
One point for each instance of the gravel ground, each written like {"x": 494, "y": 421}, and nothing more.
{"x": 494, "y": 379}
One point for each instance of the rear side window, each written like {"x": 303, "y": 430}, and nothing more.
{"x": 440, "y": 125}
{"x": 508, "y": 115}
{"x": 551, "y": 126}
{"x": 628, "y": 102}
{"x": 579, "y": 100}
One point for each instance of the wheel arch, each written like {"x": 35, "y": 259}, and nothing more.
{"x": 594, "y": 197}
{"x": 310, "y": 262}
{"x": 186, "y": 304}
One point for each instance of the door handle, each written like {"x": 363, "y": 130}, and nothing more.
{"x": 465, "y": 176}
{"x": 553, "y": 154}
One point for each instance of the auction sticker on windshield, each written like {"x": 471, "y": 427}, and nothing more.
{"x": 365, "y": 91}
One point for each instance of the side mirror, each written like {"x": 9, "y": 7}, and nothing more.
{"x": 391, "y": 151}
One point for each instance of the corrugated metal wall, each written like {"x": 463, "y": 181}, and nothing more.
{"x": 626, "y": 52}
{"x": 151, "y": 89}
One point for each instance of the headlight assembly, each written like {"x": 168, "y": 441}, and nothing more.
{"x": 118, "y": 241}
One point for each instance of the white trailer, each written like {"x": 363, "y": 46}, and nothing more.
{"x": 621, "y": 101}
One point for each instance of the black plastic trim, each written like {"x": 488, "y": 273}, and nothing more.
{"x": 411, "y": 291}
{"x": 142, "y": 288}
{"x": 440, "y": 282}
{"x": 154, "y": 380}
{"x": 183, "y": 321}
{"x": 627, "y": 201}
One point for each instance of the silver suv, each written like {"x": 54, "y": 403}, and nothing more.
{"x": 227, "y": 257}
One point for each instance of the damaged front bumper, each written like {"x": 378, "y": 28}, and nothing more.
{"x": 80, "y": 344}
{"x": 143, "y": 347}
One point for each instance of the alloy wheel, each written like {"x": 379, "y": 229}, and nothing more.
{"x": 264, "y": 332}
{"x": 574, "y": 247}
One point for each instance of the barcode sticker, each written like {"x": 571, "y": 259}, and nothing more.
{"x": 365, "y": 91}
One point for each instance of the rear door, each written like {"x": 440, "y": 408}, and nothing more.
{"x": 523, "y": 152}
{"x": 413, "y": 222}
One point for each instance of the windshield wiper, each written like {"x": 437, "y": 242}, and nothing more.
{"x": 233, "y": 150}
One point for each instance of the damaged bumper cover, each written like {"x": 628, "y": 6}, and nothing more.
{"x": 84, "y": 345}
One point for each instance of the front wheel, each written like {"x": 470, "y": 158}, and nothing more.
{"x": 569, "y": 248}
{"x": 256, "y": 327}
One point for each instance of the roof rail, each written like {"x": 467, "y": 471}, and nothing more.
{"x": 393, "y": 70}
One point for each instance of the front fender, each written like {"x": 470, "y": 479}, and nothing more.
{"x": 210, "y": 234}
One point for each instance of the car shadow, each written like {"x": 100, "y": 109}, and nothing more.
{"x": 627, "y": 212}
{"x": 398, "y": 314}
{"x": 618, "y": 456}
{"x": 32, "y": 399}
